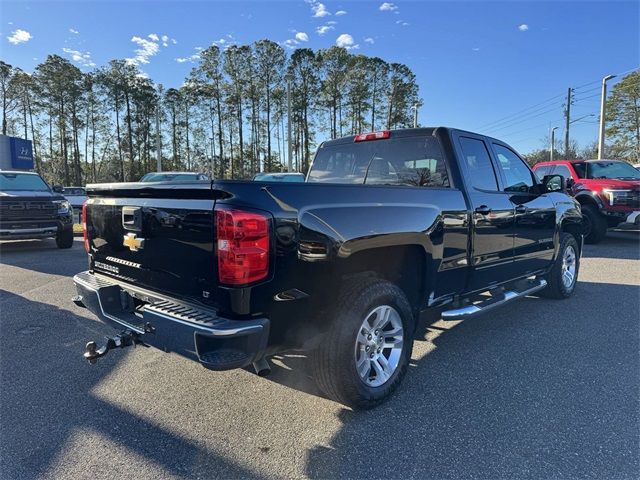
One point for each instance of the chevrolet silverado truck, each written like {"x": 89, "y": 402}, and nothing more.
{"x": 387, "y": 225}
{"x": 608, "y": 191}
{"x": 30, "y": 209}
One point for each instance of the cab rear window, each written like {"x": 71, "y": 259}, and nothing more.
{"x": 414, "y": 161}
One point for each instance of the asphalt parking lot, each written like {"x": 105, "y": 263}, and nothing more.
{"x": 541, "y": 389}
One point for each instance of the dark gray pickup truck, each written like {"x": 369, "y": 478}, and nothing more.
{"x": 387, "y": 225}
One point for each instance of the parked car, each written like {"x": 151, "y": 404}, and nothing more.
{"x": 76, "y": 197}
{"x": 388, "y": 224}
{"x": 30, "y": 209}
{"x": 608, "y": 191}
{"x": 174, "y": 177}
{"x": 278, "y": 177}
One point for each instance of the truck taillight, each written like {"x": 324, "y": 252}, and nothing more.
{"x": 363, "y": 137}
{"x": 85, "y": 236}
{"x": 243, "y": 246}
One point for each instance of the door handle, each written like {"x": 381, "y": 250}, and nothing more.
{"x": 483, "y": 210}
{"x": 521, "y": 209}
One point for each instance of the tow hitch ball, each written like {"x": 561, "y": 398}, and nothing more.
{"x": 124, "y": 339}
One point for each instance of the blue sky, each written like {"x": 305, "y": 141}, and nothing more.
{"x": 476, "y": 62}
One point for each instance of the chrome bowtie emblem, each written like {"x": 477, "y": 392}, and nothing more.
{"x": 133, "y": 242}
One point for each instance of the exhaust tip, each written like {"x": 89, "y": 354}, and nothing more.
{"x": 262, "y": 368}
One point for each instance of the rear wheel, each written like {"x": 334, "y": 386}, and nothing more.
{"x": 64, "y": 238}
{"x": 365, "y": 353}
{"x": 595, "y": 224}
{"x": 562, "y": 278}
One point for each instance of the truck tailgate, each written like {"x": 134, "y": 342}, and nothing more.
{"x": 155, "y": 240}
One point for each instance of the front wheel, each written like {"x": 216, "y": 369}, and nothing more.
{"x": 364, "y": 355}
{"x": 64, "y": 238}
{"x": 595, "y": 224}
{"x": 562, "y": 278}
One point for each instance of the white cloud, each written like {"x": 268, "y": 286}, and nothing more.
{"x": 346, "y": 41}
{"x": 191, "y": 58}
{"x": 402, "y": 22}
{"x": 165, "y": 40}
{"x": 301, "y": 36}
{"x": 319, "y": 9}
{"x": 74, "y": 31}
{"x": 321, "y": 30}
{"x": 291, "y": 43}
{"x": 146, "y": 49}
{"x": 523, "y": 28}
{"x": 476, "y": 49}
{"x": 19, "y": 36}
{"x": 388, "y": 7}
{"x": 341, "y": 12}
{"x": 154, "y": 37}
{"x": 332, "y": 22}
{"x": 369, "y": 40}
{"x": 81, "y": 58}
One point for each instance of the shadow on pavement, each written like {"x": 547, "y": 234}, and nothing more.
{"x": 20, "y": 253}
{"x": 549, "y": 392}
{"x": 43, "y": 375}
{"x": 616, "y": 246}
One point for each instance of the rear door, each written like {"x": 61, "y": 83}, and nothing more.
{"x": 493, "y": 214}
{"x": 535, "y": 214}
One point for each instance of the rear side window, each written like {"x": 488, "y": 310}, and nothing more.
{"x": 413, "y": 161}
{"x": 542, "y": 171}
{"x": 481, "y": 173}
{"x": 562, "y": 170}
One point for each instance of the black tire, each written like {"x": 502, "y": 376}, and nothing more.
{"x": 64, "y": 238}
{"x": 595, "y": 224}
{"x": 556, "y": 287}
{"x": 334, "y": 360}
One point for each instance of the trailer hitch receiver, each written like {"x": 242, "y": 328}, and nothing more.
{"x": 124, "y": 339}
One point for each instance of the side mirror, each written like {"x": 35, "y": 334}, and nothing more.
{"x": 554, "y": 183}
{"x": 570, "y": 182}
{"x": 58, "y": 189}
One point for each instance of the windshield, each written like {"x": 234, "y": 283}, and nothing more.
{"x": 275, "y": 177}
{"x": 22, "y": 181}
{"x": 74, "y": 191}
{"x": 606, "y": 169}
{"x": 415, "y": 161}
{"x": 170, "y": 177}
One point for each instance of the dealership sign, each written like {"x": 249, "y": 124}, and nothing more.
{"x": 15, "y": 153}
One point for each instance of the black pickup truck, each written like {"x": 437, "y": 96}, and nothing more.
{"x": 387, "y": 225}
{"x": 30, "y": 209}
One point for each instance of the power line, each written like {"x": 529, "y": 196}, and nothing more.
{"x": 523, "y": 120}
{"x": 518, "y": 113}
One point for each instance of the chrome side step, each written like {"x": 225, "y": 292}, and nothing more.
{"x": 469, "y": 311}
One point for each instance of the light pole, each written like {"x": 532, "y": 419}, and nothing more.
{"x": 213, "y": 156}
{"x": 158, "y": 136}
{"x": 603, "y": 104}
{"x": 289, "y": 159}
{"x": 553, "y": 141}
{"x": 415, "y": 115}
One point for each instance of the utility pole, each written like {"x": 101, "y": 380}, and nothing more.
{"x": 289, "y": 159}
{"x": 567, "y": 118}
{"x": 415, "y": 115}
{"x": 603, "y": 105}
{"x": 158, "y": 137}
{"x": 553, "y": 142}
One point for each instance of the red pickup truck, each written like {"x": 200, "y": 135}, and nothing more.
{"x": 608, "y": 192}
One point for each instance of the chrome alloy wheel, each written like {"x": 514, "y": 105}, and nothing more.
{"x": 569, "y": 267}
{"x": 379, "y": 345}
